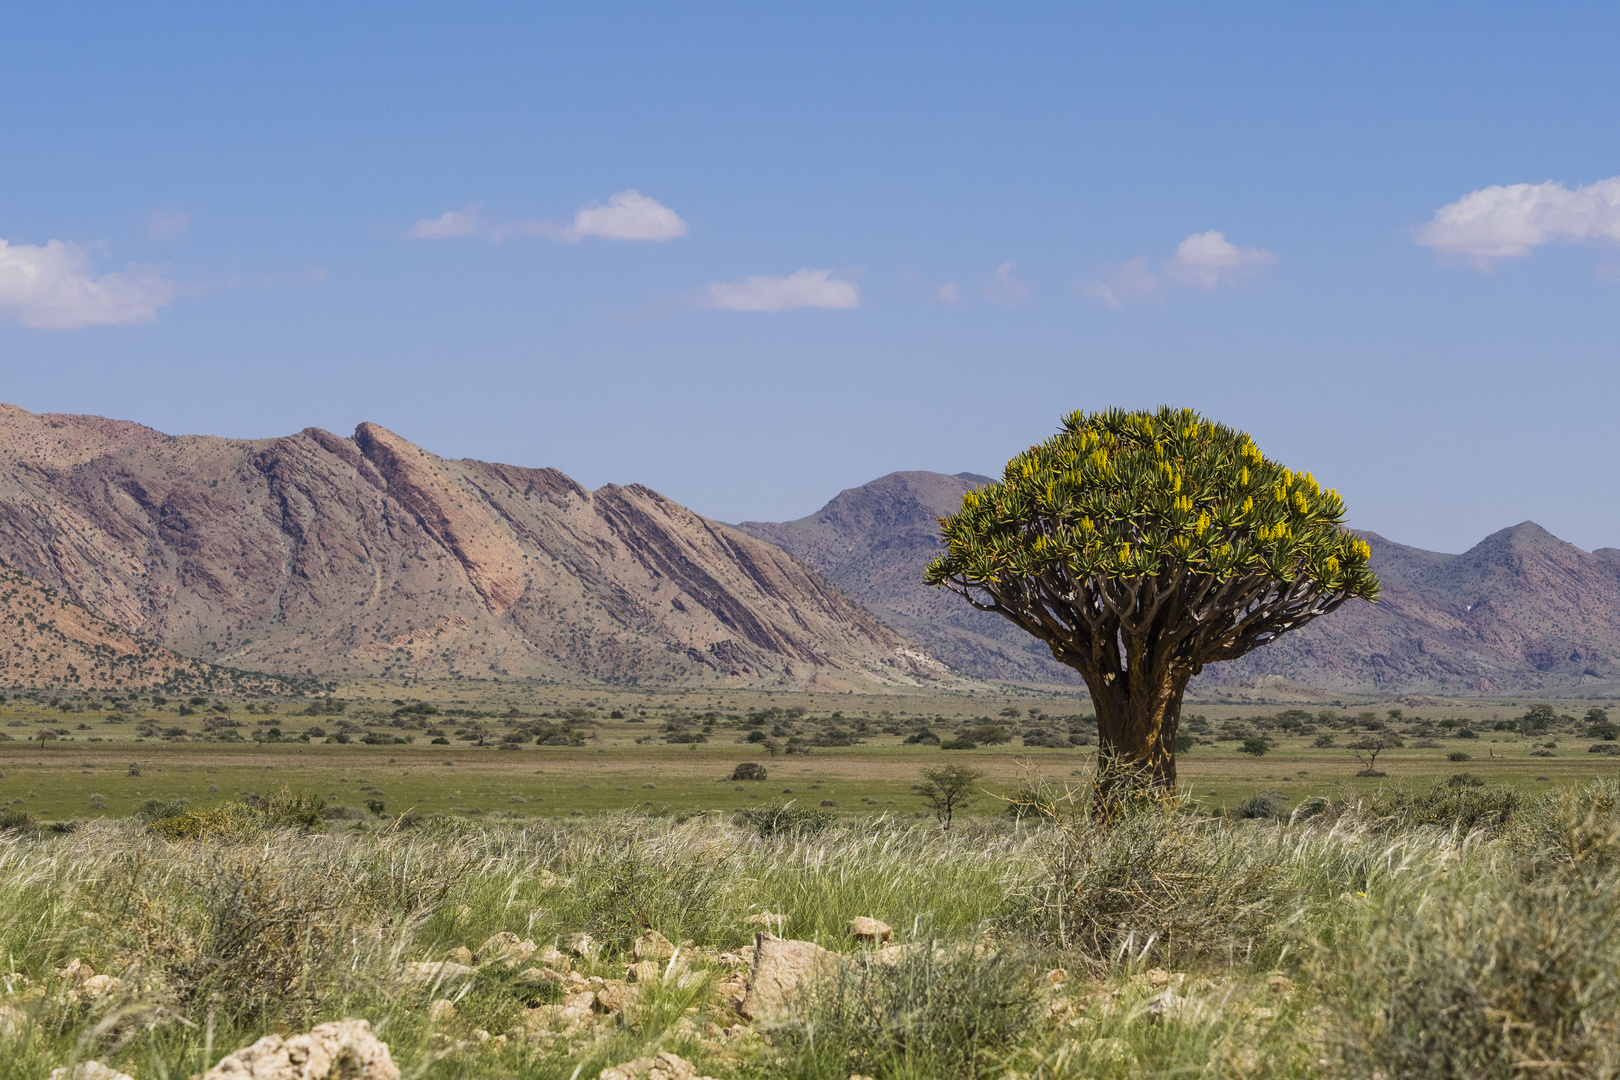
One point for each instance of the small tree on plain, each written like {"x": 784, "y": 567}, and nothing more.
{"x": 1367, "y": 751}
{"x": 947, "y": 789}
{"x": 1140, "y": 547}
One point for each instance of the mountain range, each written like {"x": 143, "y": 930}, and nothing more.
{"x": 135, "y": 558}
{"x": 318, "y": 554}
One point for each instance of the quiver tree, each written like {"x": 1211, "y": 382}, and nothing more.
{"x": 1141, "y": 546}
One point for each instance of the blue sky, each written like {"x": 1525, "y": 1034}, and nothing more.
{"x": 847, "y": 238}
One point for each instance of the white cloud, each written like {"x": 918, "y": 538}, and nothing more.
{"x": 56, "y": 287}
{"x": 1506, "y": 221}
{"x": 802, "y": 288}
{"x": 949, "y": 293}
{"x": 1128, "y": 283}
{"x": 1205, "y": 260}
{"x": 1003, "y": 288}
{"x": 454, "y": 224}
{"x": 161, "y": 225}
{"x": 628, "y": 215}
{"x": 1208, "y": 260}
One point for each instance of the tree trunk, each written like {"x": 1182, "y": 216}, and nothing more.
{"x": 1138, "y": 717}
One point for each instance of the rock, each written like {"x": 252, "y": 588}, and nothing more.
{"x": 666, "y": 1066}
{"x": 652, "y": 945}
{"x": 342, "y": 1050}
{"x": 1172, "y": 1006}
{"x": 893, "y": 954}
{"x": 13, "y": 1023}
{"x": 583, "y": 945}
{"x": 75, "y": 971}
{"x": 506, "y": 948}
{"x": 1057, "y": 977}
{"x": 579, "y": 1004}
{"x": 869, "y": 930}
{"x": 428, "y": 972}
{"x": 460, "y": 955}
{"x": 782, "y": 969}
{"x": 1280, "y": 984}
{"x": 440, "y": 1011}
{"x": 97, "y": 985}
{"x": 613, "y": 995}
{"x": 89, "y": 1070}
{"x": 1156, "y": 977}
{"x": 552, "y": 958}
{"x": 643, "y": 971}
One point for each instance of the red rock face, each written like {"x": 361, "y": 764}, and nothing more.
{"x": 316, "y": 553}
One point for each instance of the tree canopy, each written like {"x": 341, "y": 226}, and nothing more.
{"x": 1141, "y": 546}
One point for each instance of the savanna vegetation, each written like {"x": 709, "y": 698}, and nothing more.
{"x": 1465, "y": 929}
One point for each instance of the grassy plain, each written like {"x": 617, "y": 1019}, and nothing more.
{"x": 1356, "y": 943}
{"x": 86, "y": 763}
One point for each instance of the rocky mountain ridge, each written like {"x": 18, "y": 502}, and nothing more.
{"x": 49, "y": 642}
{"x": 1519, "y": 611}
{"x": 314, "y": 553}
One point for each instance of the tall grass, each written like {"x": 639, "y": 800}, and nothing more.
{"x": 1446, "y": 933}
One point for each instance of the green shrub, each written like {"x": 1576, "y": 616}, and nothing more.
{"x": 780, "y": 819}
{"x": 1269, "y": 805}
{"x": 1462, "y": 802}
{"x": 1508, "y": 980}
{"x": 951, "y": 1012}
{"x": 12, "y": 818}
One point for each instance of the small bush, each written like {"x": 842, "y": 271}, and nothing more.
{"x": 749, "y": 770}
{"x": 1462, "y": 802}
{"x": 948, "y": 1012}
{"x": 1459, "y": 755}
{"x": 779, "y": 819}
{"x": 958, "y": 744}
{"x": 11, "y": 818}
{"x": 1269, "y": 805}
{"x": 1257, "y": 747}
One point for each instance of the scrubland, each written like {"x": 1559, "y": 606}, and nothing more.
{"x": 1464, "y": 929}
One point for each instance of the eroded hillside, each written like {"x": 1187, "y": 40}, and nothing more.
{"x": 323, "y": 554}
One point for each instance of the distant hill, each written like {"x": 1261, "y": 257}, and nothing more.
{"x": 47, "y": 642}
{"x": 1520, "y": 611}
{"x": 873, "y": 541}
{"x": 314, "y": 553}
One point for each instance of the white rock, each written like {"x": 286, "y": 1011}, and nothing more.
{"x": 89, "y": 1070}
{"x": 13, "y": 1023}
{"x": 870, "y": 930}
{"x": 652, "y": 945}
{"x": 342, "y": 1050}
{"x": 666, "y": 1066}
{"x": 782, "y": 969}
{"x": 97, "y": 985}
